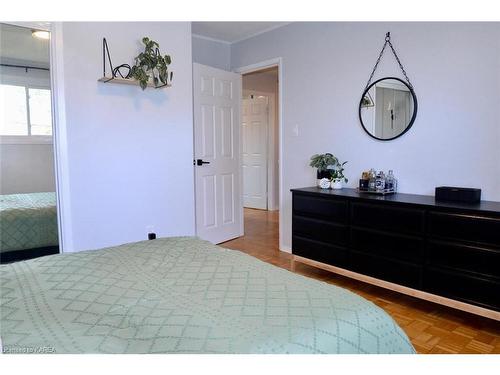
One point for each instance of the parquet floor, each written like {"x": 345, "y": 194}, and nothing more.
{"x": 432, "y": 328}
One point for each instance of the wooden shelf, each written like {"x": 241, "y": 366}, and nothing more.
{"x": 128, "y": 81}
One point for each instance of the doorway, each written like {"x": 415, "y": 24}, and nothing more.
{"x": 218, "y": 157}
{"x": 260, "y": 168}
{"x": 261, "y": 145}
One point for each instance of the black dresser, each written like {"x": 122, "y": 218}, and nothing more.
{"x": 445, "y": 252}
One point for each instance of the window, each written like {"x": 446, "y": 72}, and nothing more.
{"x": 25, "y": 111}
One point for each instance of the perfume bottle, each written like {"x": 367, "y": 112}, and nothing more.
{"x": 391, "y": 182}
{"x": 372, "y": 180}
{"x": 380, "y": 181}
{"x": 363, "y": 182}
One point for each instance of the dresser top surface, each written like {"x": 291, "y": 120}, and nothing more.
{"x": 425, "y": 200}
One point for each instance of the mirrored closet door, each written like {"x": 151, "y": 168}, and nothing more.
{"x": 28, "y": 212}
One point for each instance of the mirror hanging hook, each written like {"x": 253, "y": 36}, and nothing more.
{"x": 388, "y": 36}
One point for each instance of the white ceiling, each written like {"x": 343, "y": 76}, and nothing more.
{"x": 17, "y": 45}
{"x": 231, "y": 32}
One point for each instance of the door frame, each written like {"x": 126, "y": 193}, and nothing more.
{"x": 270, "y": 63}
{"x": 59, "y": 138}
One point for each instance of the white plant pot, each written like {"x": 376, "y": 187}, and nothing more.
{"x": 336, "y": 184}
{"x": 324, "y": 183}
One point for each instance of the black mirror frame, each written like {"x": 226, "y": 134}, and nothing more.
{"x": 415, "y": 107}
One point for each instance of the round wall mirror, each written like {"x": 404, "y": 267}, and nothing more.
{"x": 388, "y": 108}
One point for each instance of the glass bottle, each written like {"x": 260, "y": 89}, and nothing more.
{"x": 380, "y": 181}
{"x": 391, "y": 181}
{"x": 372, "y": 180}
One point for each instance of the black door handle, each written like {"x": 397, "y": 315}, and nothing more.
{"x": 201, "y": 162}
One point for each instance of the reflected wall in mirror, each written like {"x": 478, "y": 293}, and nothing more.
{"x": 388, "y": 108}
{"x": 28, "y": 212}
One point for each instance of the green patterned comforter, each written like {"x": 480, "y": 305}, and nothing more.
{"x": 27, "y": 221}
{"x": 182, "y": 295}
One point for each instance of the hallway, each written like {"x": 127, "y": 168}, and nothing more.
{"x": 432, "y": 328}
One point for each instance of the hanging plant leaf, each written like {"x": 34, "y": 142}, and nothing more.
{"x": 151, "y": 65}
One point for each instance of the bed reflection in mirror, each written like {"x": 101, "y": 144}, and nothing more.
{"x": 28, "y": 212}
{"x": 387, "y": 108}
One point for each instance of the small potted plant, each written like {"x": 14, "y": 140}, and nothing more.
{"x": 150, "y": 65}
{"x": 324, "y": 164}
{"x": 338, "y": 176}
{"x": 328, "y": 168}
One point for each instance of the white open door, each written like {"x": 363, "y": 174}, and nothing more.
{"x": 255, "y": 139}
{"x": 219, "y": 208}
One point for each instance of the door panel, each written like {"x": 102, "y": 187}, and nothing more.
{"x": 227, "y": 127}
{"x": 208, "y": 131}
{"x": 217, "y": 101}
{"x": 255, "y": 139}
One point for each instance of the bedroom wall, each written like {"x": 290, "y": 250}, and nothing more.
{"x": 128, "y": 153}
{"x": 211, "y": 53}
{"x": 26, "y": 167}
{"x": 455, "y": 69}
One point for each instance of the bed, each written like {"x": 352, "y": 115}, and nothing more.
{"x": 182, "y": 295}
{"x": 28, "y": 226}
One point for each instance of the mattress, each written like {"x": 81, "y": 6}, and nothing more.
{"x": 28, "y": 221}
{"x": 182, "y": 295}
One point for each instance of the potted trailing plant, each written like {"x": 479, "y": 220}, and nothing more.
{"x": 338, "y": 177}
{"x": 150, "y": 65}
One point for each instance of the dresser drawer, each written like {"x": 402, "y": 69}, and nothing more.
{"x": 384, "y": 217}
{"x": 331, "y": 209}
{"x": 393, "y": 246}
{"x": 386, "y": 269}
{"x": 474, "y": 229}
{"x": 478, "y": 291}
{"x": 463, "y": 257}
{"x": 335, "y": 234}
{"x": 319, "y": 251}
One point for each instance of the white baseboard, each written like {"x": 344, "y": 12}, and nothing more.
{"x": 286, "y": 249}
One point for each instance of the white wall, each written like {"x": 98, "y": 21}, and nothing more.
{"x": 26, "y": 168}
{"x": 129, "y": 153}
{"x": 455, "y": 69}
{"x": 21, "y": 77}
{"x": 212, "y": 53}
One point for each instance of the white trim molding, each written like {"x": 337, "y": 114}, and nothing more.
{"x": 60, "y": 137}
{"x": 266, "y": 30}
{"x": 275, "y": 62}
{"x": 45, "y": 26}
{"x": 260, "y": 32}
{"x": 210, "y": 39}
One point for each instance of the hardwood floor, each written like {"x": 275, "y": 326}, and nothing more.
{"x": 431, "y": 328}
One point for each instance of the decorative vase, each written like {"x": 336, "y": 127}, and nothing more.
{"x": 321, "y": 175}
{"x": 324, "y": 183}
{"x": 336, "y": 183}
